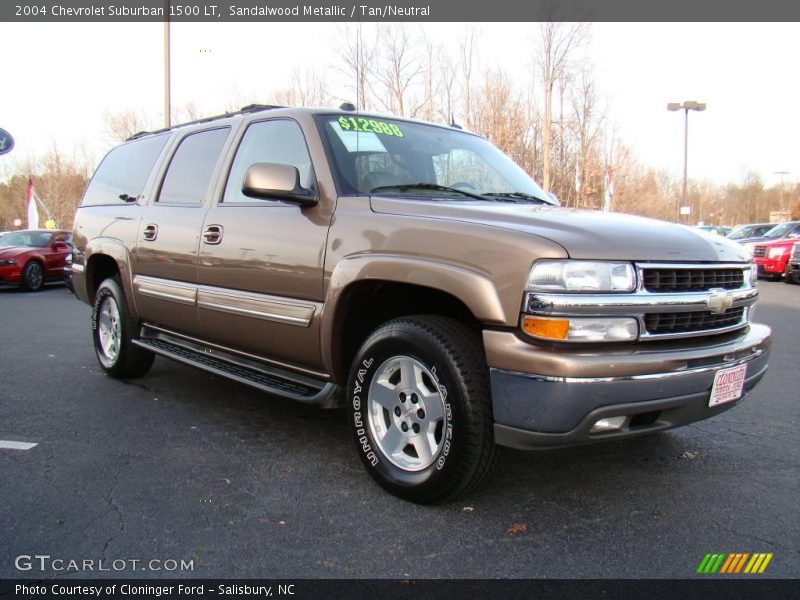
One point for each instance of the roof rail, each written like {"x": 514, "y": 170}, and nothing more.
{"x": 250, "y": 108}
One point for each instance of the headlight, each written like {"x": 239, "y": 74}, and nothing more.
{"x": 581, "y": 276}
{"x": 7, "y": 262}
{"x": 776, "y": 252}
{"x": 581, "y": 329}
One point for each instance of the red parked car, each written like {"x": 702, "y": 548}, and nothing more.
{"x": 30, "y": 258}
{"x": 772, "y": 258}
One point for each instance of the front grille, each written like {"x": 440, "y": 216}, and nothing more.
{"x": 795, "y": 257}
{"x": 692, "y": 280}
{"x": 760, "y": 251}
{"x": 687, "y": 322}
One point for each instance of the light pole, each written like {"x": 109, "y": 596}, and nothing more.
{"x": 782, "y": 173}
{"x": 686, "y": 107}
{"x": 167, "y": 102}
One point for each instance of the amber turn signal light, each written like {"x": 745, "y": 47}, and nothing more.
{"x": 553, "y": 329}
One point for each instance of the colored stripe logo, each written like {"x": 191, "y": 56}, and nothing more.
{"x": 734, "y": 562}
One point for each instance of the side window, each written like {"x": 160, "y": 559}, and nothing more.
{"x": 279, "y": 141}
{"x": 124, "y": 171}
{"x": 191, "y": 167}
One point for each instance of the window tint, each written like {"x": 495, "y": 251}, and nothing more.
{"x": 124, "y": 171}
{"x": 191, "y": 167}
{"x": 279, "y": 142}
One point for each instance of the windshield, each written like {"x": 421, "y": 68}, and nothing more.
{"x": 393, "y": 157}
{"x": 780, "y": 231}
{"x": 34, "y": 239}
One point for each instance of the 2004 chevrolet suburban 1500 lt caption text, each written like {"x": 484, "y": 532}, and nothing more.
{"x": 415, "y": 274}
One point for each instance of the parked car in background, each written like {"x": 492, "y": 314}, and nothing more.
{"x": 718, "y": 229}
{"x": 33, "y": 257}
{"x": 68, "y": 272}
{"x": 792, "y": 271}
{"x": 782, "y": 230}
{"x": 750, "y": 230}
{"x": 772, "y": 258}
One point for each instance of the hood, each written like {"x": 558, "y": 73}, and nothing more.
{"x": 12, "y": 251}
{"x": 583, "y": 234}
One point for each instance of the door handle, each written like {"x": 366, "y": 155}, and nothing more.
{"x": 212, "y": 234}
{"x": 150, "y": 232}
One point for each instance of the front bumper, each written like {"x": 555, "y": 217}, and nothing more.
{"x": 10, "y": 275}
{"x": 657, "y": 388}
{"x": 774, "y": 266}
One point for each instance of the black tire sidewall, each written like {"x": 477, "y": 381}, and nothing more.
{"x": 405, "y": 341}
{"x": 24, "y": 281}
{"x": 109, "y": 288}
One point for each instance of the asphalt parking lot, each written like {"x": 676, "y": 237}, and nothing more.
{"x": 184, "y": 465}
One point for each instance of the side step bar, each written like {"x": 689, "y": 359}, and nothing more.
{"x": 273, "y": 380}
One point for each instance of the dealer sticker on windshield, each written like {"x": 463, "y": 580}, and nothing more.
{"x": 728, "y": 385}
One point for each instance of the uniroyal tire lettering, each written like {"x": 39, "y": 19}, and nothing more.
{"x": 448, "y": 432}
{"x": 361, "y": 433}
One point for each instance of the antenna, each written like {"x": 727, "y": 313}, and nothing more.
{"x": 358, "y": 68}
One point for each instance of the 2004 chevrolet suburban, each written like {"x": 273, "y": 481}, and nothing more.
{"x": 415, "y": 274}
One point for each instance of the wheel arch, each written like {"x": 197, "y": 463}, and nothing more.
{"x": 106, "y": 257}
{"x": 366, "y": 291}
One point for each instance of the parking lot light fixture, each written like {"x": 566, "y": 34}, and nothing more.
{"x": 686, "y": 107}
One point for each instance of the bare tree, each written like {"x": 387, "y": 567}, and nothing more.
{"x": 359, "y": 53}
{"x": 467, "y": 50}
{"x": 122, "y": 125}
{"x": 588, "y": 119}
{"x": 398, "y": 70}
{"x": 558, "y": 43}
{"x": 307, "y": 88}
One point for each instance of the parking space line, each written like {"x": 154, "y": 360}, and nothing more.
{"x": 7, "y": 445}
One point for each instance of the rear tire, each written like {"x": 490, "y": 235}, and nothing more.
{"x": 32, "y": 277}
{"x": 113, "y": 329}
{"x": 419, "y": 405}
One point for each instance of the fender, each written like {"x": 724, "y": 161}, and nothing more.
{"x": 473, "y": 288}
{"x": 117, "y": 250}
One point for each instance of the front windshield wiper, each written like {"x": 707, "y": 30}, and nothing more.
{"x": 518, "y": 196}
{"x": 427, "y": 186}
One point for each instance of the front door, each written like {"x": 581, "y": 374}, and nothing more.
{"x": 260, "y": 263}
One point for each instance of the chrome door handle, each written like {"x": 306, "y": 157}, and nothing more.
{"x": 150, "y": 232}
{"x": 212, "y": 234}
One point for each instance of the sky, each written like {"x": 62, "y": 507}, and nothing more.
{"x": 59, "y": 81}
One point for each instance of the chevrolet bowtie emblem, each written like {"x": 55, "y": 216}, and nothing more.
{"x": 719, "y": 301}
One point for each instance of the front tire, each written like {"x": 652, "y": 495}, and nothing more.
{"x": 419, "y": 405}
{"x": 113, "y": 328}
{"x": 32, "y": 277}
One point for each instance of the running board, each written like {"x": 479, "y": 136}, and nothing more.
{"x": 273, "y": 380}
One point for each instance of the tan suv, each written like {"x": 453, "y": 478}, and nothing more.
{"x": 415, "y": 274}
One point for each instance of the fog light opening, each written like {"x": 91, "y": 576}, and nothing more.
{"x": 608, "y": 424}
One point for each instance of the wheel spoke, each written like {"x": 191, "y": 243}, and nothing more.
{"x": 393, "y": 441}
{"x": 433, "y": 408}
{"x": 384, "y": 394}
{"x": 408, "y": 375}
{"x": 422, "y": 446}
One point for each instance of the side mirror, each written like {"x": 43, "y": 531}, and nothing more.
{"x": 59, "y": 246}
{"x": 272, "y": 181}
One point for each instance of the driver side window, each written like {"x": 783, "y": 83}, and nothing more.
{"x": 277, "y": 141}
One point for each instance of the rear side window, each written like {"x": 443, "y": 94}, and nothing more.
{"x": 191, "y": 167}
{"x": 124, "y": 171}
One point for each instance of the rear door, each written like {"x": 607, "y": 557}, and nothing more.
{"x": 169, "y": 231}
{"x": 260, "y": 262}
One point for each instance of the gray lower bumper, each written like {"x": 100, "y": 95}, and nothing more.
{"x": 533, "y": 411}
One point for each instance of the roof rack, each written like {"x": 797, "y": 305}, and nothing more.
{"x": 250, "y": 108}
